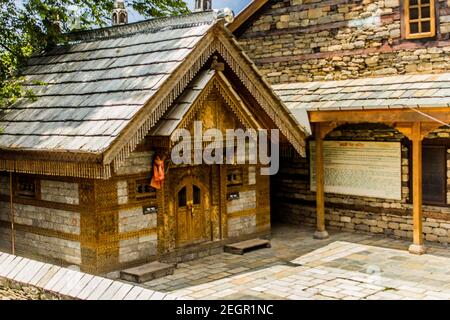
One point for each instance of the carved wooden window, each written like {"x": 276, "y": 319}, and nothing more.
{"x": 419, "y": 19}
{"x": 182, "y": 197}
{"x": 196, "y": 195}
{"x": 144, "y": 190}
{"x": 234, "y": 177}
{"x": 26, "y": 187}
{"x": 434, "y": 174}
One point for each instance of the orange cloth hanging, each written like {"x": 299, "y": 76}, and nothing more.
{"x": 158, "y": 173}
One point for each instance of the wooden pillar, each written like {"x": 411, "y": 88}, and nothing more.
{"x": 417, "y": 247}
{"x": 320, "y": 233}
{"x": 12, "y": 218}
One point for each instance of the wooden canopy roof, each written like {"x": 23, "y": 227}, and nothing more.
{"x": 108, "y": 88}
{"x": 419, "y": 91}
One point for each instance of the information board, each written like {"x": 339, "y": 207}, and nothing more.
{"x": 360, "y": 168}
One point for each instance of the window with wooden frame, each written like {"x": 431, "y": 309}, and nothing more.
{"x": 434, "y": 174}
{"x": 419, "y": 19}
{"x": 26, "y": 187}
{"x": 144, "y": 190}
{"x": 234, "y": 177}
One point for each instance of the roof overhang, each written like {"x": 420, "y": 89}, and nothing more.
{"x": 246, "y": 14}
{"x": 217, "y": 40}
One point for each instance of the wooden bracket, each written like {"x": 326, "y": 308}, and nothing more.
{"x": 407, "y": 129}
{"x": 324, "y": 128}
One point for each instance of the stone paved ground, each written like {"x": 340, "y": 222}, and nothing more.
{"x": 346, "y": 266}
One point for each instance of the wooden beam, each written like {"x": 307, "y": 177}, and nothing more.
{"x": 11, "y": 206}
{"x": 320, "y": 233}
{"x": 417, "y": 247}
{"x": 246, "y": 14}
{"x": 381, "y": 115}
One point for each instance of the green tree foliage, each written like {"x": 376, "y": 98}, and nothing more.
{"x": 28, "y": 27}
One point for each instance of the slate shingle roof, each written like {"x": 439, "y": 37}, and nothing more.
{"x": 169, "y": 122}
{"x": 405, "y": 91}
{"x": 94, "y": 86}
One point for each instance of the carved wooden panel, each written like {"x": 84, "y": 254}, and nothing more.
{"x": 192, "y": 214}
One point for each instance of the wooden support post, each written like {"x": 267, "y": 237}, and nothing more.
{"x": 320, "y": 233}
{"x": 11, "y": 206}
{"x": 417, "y": 247}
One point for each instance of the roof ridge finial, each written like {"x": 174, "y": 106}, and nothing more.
{"x": 203, "y": 5}
{"x": 120, "y": 14}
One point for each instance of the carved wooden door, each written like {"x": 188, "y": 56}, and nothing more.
{"x": 190, "y": 213}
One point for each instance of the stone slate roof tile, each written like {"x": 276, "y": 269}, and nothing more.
{"x": 181, "y": 106}
{"x": 94, "y": 86}
{"x": 404, "y": 91}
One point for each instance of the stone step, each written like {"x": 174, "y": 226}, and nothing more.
{"x": 147, "y": 272}
{"x": 245, "y": 246}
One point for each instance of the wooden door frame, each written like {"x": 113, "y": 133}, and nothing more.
{"x": 186, "y": 179}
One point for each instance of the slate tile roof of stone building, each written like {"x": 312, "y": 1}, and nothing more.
{"x": 405, "y": 91}
{"x": 94, "y": 86}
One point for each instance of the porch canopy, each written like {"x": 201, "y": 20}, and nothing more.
{"x": 413, "y": 104}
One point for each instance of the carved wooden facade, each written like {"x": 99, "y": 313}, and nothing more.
{"x": 94, "y": 206}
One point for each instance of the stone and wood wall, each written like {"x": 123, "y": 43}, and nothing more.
{"x": 250, "y": 213}
{"x": 47, "y": 223}
{"x": 313, "y": 40}
{"x": 105, "y": 225}
{"x": 294, "y": 202}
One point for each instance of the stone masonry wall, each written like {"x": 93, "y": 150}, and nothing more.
{"x": 141, "y": 246}
{"x": 46, "y": 218}
{"x": 313, "y": 40}
{"x": 137, "y": 162}
{"x": 60, "y": 251}
{"x": 242, "y": 225}
{"x": 246, "y": 201}
{"x": 59, "y": 191}
{"x": 295, "y": 203}
{"x": 39, "y": 229}
{"x": 122, "y": 192}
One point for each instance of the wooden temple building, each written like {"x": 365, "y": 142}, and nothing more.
{"x": 359, "y": 89}
{"x": 77, "y": 162}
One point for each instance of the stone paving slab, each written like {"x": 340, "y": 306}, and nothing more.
{"x": 346, "y": 266}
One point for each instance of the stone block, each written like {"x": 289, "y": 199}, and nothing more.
{"x": 440, "y": 232}
{"x": 316, "y": 13}
{"x": 407, "y": 227}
